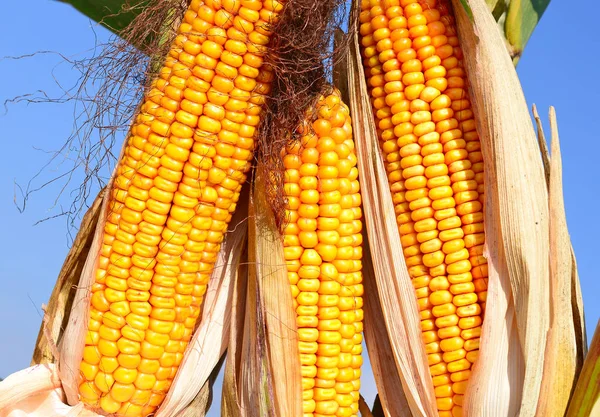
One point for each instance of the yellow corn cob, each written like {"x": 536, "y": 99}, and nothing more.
{"x": 175, "y": 190}
{"x": 435, "y": 170}
{"x": 322, "y": 245}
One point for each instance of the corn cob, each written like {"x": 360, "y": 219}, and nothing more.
{"x": 427, "y": 132}
{"x": 175, "y": 190}
{"x": 322, "y": 246}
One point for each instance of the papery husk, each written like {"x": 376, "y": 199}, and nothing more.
{"x": 576, "y": 296}
{"x": 200, "y": 405}
{"x": 274, "y": 302}
{"x": 230, "y": 402}
{"x": 388, "y": 381}
{"x": 255, "y": 394}
{"x": 61, "y": 299}
{"x": 586, "y": 396}
{"x": 363, "y": 408}
{"x": 36, "y": 392}
{"x": 397, "y": 298}
{"x": 562, "y": 363}
{"x": 516, "y": 194}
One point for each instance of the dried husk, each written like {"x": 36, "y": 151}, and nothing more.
{"x": 364, "y": 408}
{"x": 230, "y": 402}
{"x": 389, "y": 383}
{"x": 255, "y": 392}
{"x": 562, "y": 363}
{"x": 275, "y": 301}
{"x": 61, "y": 299}
{"x": 517, "y": 198}
{"x": 576, "y": 296}
{"x": 397, "y": 298}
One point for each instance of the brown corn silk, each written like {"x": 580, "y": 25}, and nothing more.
{"x": 323, "y": 252}
{"x": 175, "y": 188}
{"x": 427, "y": 131}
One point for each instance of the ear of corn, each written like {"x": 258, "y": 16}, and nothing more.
{"x": 175, "y": 190}
{"x": 322, "y": 246}
{"x": 434, "y": 163}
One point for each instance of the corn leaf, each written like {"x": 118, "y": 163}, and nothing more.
{"x": 586, "y": 398}
{"x": 114, "y": 15}
{"x": 576, "y": 296}
{"x": 521, "y": 18}
{"x": 200, "y": 405}
{"x": 517, "y": 200}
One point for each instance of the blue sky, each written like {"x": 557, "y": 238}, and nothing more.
{"x": 31, "y": 255}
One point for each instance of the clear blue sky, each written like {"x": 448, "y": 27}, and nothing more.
{"x": 31, "y": 256}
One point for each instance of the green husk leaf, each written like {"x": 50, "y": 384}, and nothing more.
{"x": 114, "y": 15}
{"x": 521, "y": 19}
{"x": 467, "y": 9}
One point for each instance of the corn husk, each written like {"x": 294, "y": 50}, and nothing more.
{"x": 397, "y": 298}
{"x": 230, "y": 401}
{"x": 279, "y": 314}
{"x": 262, "y": 371}
{"x": 389, "y": 382}
{"x": 576, "y": 296}
{"x": 61, "y": 299}
{"x": 559, "y": 375}
{"x": 37, "y": 390}
{"x": 516, "y": 201}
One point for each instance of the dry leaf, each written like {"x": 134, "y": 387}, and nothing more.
{"x": 514, "y": 177}
{"x": 276, "y": 302}
{"x": 542, "y": 144}
{"x": 61, "y": 299}
{"x": 255, "y": 394}
{"x": 36, "y": 392}
{"x": 397, "y": 295}
{"x": 364, "y": 408}
{"x": 559, "y": 375}
{"x": 388, "y": 381}
{"x": 496, "y": 384}
{"x": 230, "y": 403}
{"x": 200, "y": 405}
